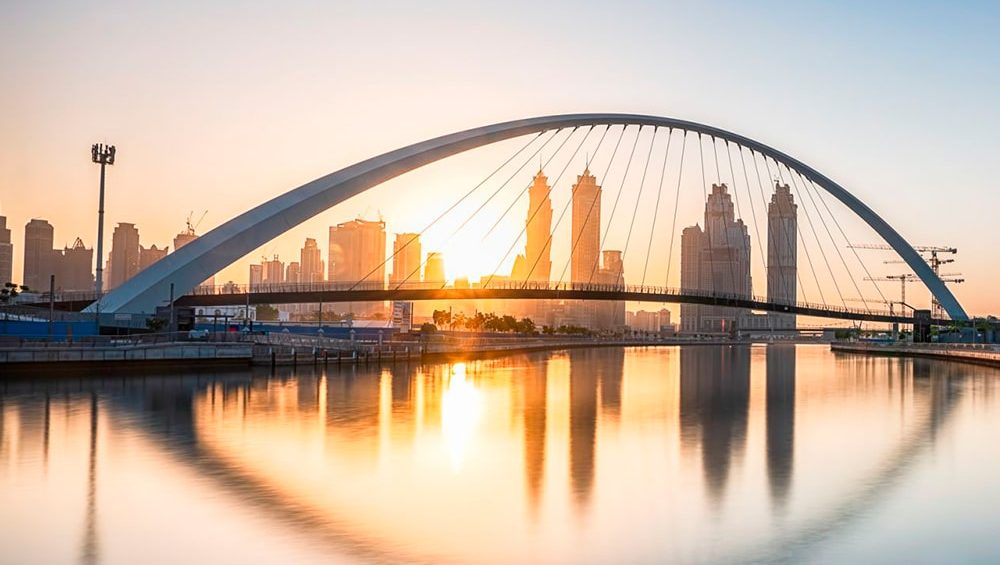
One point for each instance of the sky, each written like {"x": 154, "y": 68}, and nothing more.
{"x": 222, "y": 106}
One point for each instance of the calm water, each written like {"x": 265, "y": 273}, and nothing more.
{"x": 696, "y": 454}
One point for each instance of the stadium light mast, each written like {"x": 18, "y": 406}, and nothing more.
{"x": 104, "y": 155}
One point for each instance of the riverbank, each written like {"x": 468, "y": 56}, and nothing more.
{"x": 968, "y": 353}
{"x": 279, "y": 349}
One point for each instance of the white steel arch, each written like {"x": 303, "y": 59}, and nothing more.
{"x": 205, "y": 256}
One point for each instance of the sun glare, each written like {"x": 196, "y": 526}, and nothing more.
{"x": 461, "y": 412}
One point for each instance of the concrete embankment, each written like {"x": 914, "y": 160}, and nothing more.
{"x": 53, "y": 357}
{"x": 968, "y": 353}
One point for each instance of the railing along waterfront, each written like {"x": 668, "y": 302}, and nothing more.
{"x": 373, "y": 290}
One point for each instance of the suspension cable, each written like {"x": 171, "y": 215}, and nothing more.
{"x": 590, "y": 129}
{"x": 618, "y": 196}
{"x": 725, "y": 231}
{"x": 753, "y": 211}
{"x": 864, "y": 267}
{"x": 805, "y": 247}
{"x": 423, "y": 262}
{"x": 453, "y": 206}
{"x": 548, "y": 241}
{"x": 635, "y": 210}
{"x": 819, "y": 212}
{"x": 527, "y": 186}
{"x": 656, "y": 207}
{"x": 592, "y": 204}
{"x": 788, "y": 240}
{"x": 812, "y": 228}
{"x": 677, "y": 199}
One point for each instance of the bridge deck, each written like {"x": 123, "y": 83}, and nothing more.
{"x": 334, "y": 292}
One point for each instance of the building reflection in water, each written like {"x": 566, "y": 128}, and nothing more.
{"x": 780, "y": 421}
{"x": 590, "y": 370}
{"x": 714, "y": 404}
{"x": 534, "y": 383}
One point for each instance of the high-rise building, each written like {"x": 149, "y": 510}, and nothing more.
{"x": 184, "y": 238}
{"x": 310, "y": 262}
{"x": 406, "y": 254}
{"x": 39, "y": 257}
{"x": 609, "y": 315}
{"x": 123, "y": 263}
{"x": 150, "y": 255}
{"x": 274, "y": 271}
{"x": 293, "y": 273}
{"x": 434, "y": 269}
{"x": 256, "y": 276}
{"x": 536, "y": 263}
{"x": 357, "y": 254}
{"x": 6, "y": 253}
{"x": 692, "y": 242}
{"x": 586, "y": 228}
{"x": 75, "y": 267}
{"x": 723, "y": 264}
{"x": 782, "y": 253}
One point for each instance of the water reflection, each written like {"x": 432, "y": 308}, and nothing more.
{"x": 714, "y": 403}
{"x": 534, "y": 386}
{"x": 780, "y": 421}
{"x": 587, "y": 455}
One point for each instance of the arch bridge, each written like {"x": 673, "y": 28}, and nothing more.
{"x": 202, "y": 258}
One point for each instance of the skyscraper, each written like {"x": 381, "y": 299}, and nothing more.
{"x": 406, "y": 254}
{"x": 357, "y": 253}
{"x": 184, "y": 238}
{"x": 782, "y": 253}
{"x": 256, "y": 276}
{"x": 150, "y": 255}
{"x": 39, "y": 257}
{"x": 434, "y": 269}
{"x": 123, "y": 262}
{"x": 274, "y": 271}
{"x": 692, "y": 242}
{"x": 610, "y": 315}
{"x": 586, "y": 228}
{"x": 6, "y": 253}
{"x": 75, "y": 267}
{"x": 537, "y": 260}
{"x": 293, "y": 273}
{"x": 716, "y": 260}
{"x": 310, "y": 262}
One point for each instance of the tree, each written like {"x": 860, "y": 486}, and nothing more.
{"x": 267, "y": 313}
{"x": 10, "y": 291}
{"x": 441, "y": 318}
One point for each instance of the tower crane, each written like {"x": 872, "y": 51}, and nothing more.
{"x": 903, "y": 279}
{"x": 191, "y": 226}
{"x": 934, "y": 260}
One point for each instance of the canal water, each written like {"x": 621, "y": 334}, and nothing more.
{"x": 685, "y": 454}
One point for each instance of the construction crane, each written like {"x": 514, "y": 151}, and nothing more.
{"x": 933, "y": 260}
{"x": 903, "y": 279}
{"x": 191, "y": 226}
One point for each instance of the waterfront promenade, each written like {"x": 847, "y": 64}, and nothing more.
{"x": 982, "y": 354}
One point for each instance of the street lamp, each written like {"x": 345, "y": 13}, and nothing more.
{"x": 103, "y": 155}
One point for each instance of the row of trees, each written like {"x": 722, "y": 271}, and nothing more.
{"x": 493, "y": 323}
{"x": 483, "y": 322}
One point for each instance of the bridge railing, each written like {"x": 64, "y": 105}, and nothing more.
{"x": 493, "y": 285}
{"x": 338, "y": 286}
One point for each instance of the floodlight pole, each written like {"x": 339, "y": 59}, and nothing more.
{"x": 103, "y": 155}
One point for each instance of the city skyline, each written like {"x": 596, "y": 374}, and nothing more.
{"x": 376, "y": 261}
{"x": 869, "y": 143}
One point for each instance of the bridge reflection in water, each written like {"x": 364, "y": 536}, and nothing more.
{"x": 604, "y": 454}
